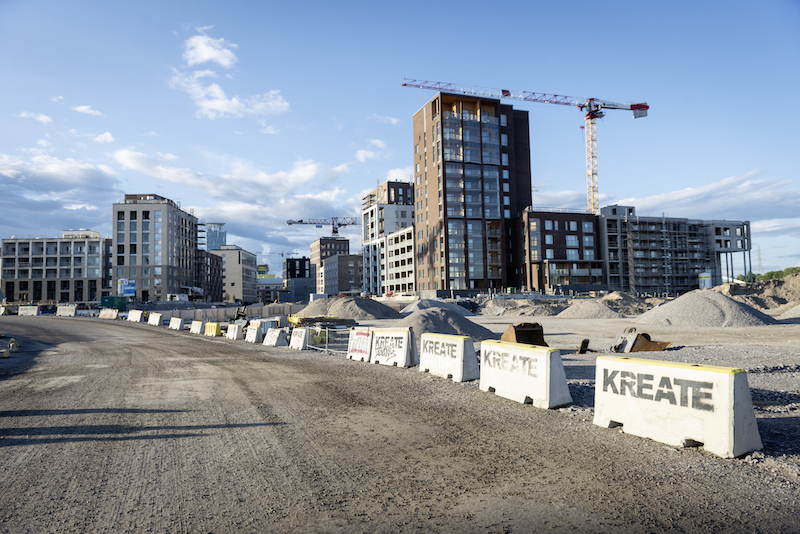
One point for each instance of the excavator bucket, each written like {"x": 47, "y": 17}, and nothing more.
{"x": 631, "y": 341}
{"x": 526, "y": 333}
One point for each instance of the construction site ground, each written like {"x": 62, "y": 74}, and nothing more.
{"x": 111, "y": 426}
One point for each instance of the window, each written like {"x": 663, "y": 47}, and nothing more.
{"x": 548, "y": 225}
{"x": 503, "y": 119}
{"x": 572, "y": 254}
{"x": 588, "y": 227}
{"x": 504, "y": 159}
{"x": 504, "y": 139}
{"x": 588, "y": 241}
{"x": 573, "y": 226}
{"x": 548, "y": 239}
{"x": 572, "y": 241}
{"x": 549, "y": 254}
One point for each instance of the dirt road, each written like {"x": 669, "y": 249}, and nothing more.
{"x": 121, "y": 427}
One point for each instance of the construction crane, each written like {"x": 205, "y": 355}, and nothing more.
{"x": 592, "y": 107}
{"x": 334, "y": 222}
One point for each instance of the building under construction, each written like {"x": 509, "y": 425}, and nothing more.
{"x": 666, "y": 254}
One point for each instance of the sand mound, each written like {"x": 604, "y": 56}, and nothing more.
{"x": 588, "y": 309}
{"x": 497, "y": 307}
{"x": 349, "y": 308}
{"x": 792, "y": 313}
{"x": 764, "y": 295}
{"x": 627, "y": 304}
{"x": 441, "y": 321}
{"x": 425, "y": 304}
{"x": 705, "y": 309}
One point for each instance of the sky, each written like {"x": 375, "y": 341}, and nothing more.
{"x": 252, "y": 113}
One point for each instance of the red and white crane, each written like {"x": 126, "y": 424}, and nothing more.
{"x": 593, "y": 108}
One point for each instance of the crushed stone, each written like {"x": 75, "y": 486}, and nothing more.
{"x": 357, "y": 308}
{"x": 498, "y": 307}
{"x": 705, "y": 308}
{"x": 588, "y": 309}
{"x": 764, "y": 295}
{"x": 425, "y": 304}
{"x": 442, "y": 321}
{"x": 627, "y": 304}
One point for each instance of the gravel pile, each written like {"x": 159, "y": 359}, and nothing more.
{"x": 357, "y": 308}
{"x": 442, "y": 321}
{"x": 588, "y": 309}
{"x": 703, "y": 309}
{"x": 627, "y": 304}
{"x": 425, "y": 304}
{"x": 498, "y": 307}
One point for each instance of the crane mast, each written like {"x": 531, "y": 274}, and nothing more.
{"x": 592, "y": 107}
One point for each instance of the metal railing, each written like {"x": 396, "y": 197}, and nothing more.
{"x": 329, "y": 339}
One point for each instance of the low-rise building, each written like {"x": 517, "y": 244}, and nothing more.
{"x": 73, "y": 267}
{"x": 342, "y": 274}
{"x": 238, "y": 274}
{"x": 400, "y": 261}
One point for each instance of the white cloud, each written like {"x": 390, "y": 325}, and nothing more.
{"x": 378, "y": 143}
{"x": 57, "y": 99}
{"x": 87, "y": 110}
{"x": 202, "y": 49}
{"x": 80, "y": 206}
{"x": 364, "y": 155}
{"x": 388, "y": 120}
{"x": 155, "y": 168}
{"x": 267, "y": 129}
{"x": 44, "y": 143}
{"x": 104, "y": 138}
{"x": 212, "y": 102}
{"x": 44, "y": 119}
{"x": 404, "y": 174}
{"x": 167, "y": 156}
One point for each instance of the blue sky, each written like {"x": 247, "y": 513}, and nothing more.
{"x": 252, "y": 113}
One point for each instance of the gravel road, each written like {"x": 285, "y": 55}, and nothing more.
{"x": 109, "y": 426}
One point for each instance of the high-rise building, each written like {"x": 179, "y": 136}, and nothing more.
{"x": 342, "y": 274}
{"x": 155, "y": 246}
{"x": 322, "y": 248}
{"x": 386, "y": 209}
{"x": 400, "y": 261}
{"x": 471, "y": 180}
{"x": 209, "y": 276}
{"x": 216, "y": 237}
{"x": 72, "y": 267}
{"x": 239, "y": 282}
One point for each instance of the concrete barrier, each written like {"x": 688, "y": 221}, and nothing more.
{"x": 28, "y": 310}
{"x": 524, "y": 373}
{"x": 299, "y": 340}
{"x": 275, "y": 337}
{"x": 254, "y": 334}
{"x": 197, "y": 327}
{"x": 66, "y": 311}
{"x": 109, "y": 313}
{"x": 2, "y": 310}
{"x": 154, "y": 319}
{"x": 395, "y": 347}
{"x": 359, "y": 346}
{"x": 136, "y": 316}
{"x": 234, "y": 332}
{"x": 213, "y": 330}
{"x": 449, "y": 357}
{"x": 176, "y": 323}
{"x": 679, "y": 404}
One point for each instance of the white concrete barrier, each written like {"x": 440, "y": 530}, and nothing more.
{"x": 299, "y": 338}
{"x": 154, "y": 319}
{"x": 213, "y": 330}
{"x": 254, "y": 334}
{"x": 2, "y": 310}
{"x": 66, "y": 311}
{"x": 677, "y": 403}
{"x": 449, "y": 357}
{"x": 136, "y": 316}
{"x": 176, "y": 323}
{"x": 359, "y": 346}
{"x": 275, "y": 337}
{"x": 109, "y": 313}
{"x": 524, "y": 373}
{"x": 28, "y": 310}
{"x": 234, "y": 332}
{"x": 395, "y": 347}
{"x": 197, "y": 327}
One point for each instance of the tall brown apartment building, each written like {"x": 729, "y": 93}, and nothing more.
{"x": 472, "y": 177}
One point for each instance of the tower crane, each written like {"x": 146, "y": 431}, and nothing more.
{"x": 592, "y": 107}
{"x": 334, "y": 222}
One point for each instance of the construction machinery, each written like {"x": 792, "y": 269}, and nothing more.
{"x": 592, "y": 107}
{"x": 334, "y": 222}
{"x": 631, "y": 341}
